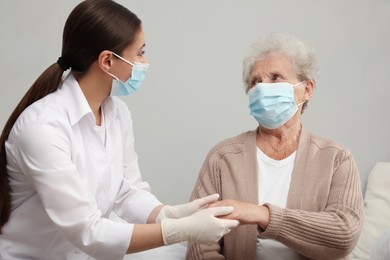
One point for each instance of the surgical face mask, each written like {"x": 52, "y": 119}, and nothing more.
{"x": 273, "y": 104}
{"x": 138, "y": 71}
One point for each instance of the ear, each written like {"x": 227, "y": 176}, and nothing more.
{"x": 105, "y": 60}
{"x": 309, "y": 89}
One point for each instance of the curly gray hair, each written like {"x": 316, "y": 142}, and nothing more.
{"x": 301, "y": 56}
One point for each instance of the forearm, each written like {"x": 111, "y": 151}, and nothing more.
{"x": 145, "y": 236}
{"x": 333, "y": 232}
{"x": 204, "y": 226}
{"x": 153, "y": 215}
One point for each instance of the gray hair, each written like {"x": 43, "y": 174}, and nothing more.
{"x": 301, "y": 56}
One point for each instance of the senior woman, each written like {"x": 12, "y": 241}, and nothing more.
{"x": 297, "y": 195}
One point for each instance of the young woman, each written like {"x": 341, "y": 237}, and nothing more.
{"x": 68, "y": 160}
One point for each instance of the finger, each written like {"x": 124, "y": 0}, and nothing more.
{"x": 230, "y": 223}
{"x": 220, "y": 211}
{"x": 228, "y": 216}
{"x": 207, "y": 200}
{"x": 216, "y": 204}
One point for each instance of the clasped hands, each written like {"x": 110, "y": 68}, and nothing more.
{"x": 245, "y": 213}
{"x": 206, "y": 220}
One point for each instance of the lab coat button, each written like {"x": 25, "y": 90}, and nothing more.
{"x": 77, "y": 251}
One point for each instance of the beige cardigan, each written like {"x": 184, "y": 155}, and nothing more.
{"x": 324, "y": 210}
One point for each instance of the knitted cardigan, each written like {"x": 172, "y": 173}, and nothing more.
{"x": 324, "y": 210}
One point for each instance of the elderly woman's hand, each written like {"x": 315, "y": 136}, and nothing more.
{"x": 246, "y": 213}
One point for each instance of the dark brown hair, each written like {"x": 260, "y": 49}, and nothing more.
{"x": 92, "y": 27}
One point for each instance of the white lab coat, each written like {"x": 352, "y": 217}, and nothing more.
{"x": 65, "y": 181}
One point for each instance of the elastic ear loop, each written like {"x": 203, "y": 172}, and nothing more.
{"x": 119, "y": 57}
{"x": 112, "y": 75}
{"x": 301, "y": 103}
{"x": 297, "y": 85}
{"x": 140, "y": 65}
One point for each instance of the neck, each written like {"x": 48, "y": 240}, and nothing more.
{"x": 279, "y": 143}
{"x": 284, "y": 133}
{"x": 96, "y": 87}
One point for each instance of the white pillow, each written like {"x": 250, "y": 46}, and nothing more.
{"x": 381, "y": 249}
{"x": 377, "y": 210}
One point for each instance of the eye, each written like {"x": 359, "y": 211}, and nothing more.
{"x": 276, "y": 77}
{"x": 254, "y": 81}
{"x": 142, "y": 53}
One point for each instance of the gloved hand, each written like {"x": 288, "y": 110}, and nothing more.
{"x": 184, "y": 210}
{"x": 202, "y": 226}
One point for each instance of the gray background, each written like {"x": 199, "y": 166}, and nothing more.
{"x": 193, "y": 96}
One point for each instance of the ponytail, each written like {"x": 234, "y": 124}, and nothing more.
{"x": 47, "y": 83}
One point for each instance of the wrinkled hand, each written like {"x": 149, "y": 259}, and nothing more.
{"x": 184, "y": 210}
{"x": 246, "y": 213}
{"x": 204, "y": 226}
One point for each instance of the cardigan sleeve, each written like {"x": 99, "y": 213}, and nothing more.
{"x": 208, "y": 183}
{"x": 332, "y": 232}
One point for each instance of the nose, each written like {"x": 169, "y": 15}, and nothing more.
{"x": 144, "y": 60}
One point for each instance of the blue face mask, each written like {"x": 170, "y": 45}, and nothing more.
{"x": 273, "y": 104}
{"x": 138, "y": 71}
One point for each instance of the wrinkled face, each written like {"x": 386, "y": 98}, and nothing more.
{"x": 277, "y": 68}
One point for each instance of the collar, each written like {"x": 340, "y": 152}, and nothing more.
{"x": 77, "y": 104}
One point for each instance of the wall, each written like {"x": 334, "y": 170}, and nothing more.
{"x": 193, "y": 96}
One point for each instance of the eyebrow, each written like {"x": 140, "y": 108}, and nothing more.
{"x": 143, "y": 46}
{"x": 268, "y": 74}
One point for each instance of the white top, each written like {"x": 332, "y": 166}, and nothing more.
{"x": 274, "y": 184}
{"x": 65, "y": 182}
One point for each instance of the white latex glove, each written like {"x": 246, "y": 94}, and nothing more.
{"x": 184, "y": 210}
{"x": 202, "y": 226}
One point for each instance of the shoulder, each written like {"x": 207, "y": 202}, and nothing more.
{"x": 48, "y": 112}
{"x": 233, "y": 145}
{"x": 325, "y": 145}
